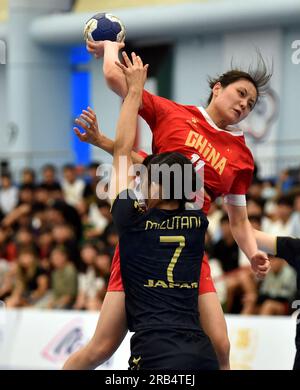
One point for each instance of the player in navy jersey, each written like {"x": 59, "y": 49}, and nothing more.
{"x": 160, "y": 249}
{"x": 287, "y": 248}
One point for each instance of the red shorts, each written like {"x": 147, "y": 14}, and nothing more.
{"x": 206, "y": 284}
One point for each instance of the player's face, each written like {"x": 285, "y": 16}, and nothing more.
{"x": 235, "y": 102}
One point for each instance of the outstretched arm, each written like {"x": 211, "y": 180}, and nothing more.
{"x": 114, "y": 76}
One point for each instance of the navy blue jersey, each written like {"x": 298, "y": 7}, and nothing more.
{"x": 160, "y": 254}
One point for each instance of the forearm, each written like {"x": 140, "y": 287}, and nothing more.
{"x": 82, "y": 360}
{"x": 127, "y": 123}
{"x": 242, "y": 232}
{"x": 265, "y": 242}
{"x": 113, "y": 75}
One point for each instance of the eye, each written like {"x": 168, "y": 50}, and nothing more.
{"x": 242, "y": 93}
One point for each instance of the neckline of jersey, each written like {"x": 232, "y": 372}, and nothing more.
{"x": 234, "y": 131}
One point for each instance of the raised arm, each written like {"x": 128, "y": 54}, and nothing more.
{"x": 136, "y": 74}
{"x": 114, "y": 76}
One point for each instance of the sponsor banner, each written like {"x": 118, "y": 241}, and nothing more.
{"x": 261, "y": 342}
{"x": 45, "y": 339}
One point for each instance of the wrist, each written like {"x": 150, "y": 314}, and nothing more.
{"x": 135, "y": 91}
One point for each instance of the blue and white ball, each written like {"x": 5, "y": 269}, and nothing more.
{"x": 103, "y": 26}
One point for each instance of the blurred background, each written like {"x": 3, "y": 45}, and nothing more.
{"x": 56, "y": 237}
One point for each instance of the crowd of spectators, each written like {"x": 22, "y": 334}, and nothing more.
{"x": 57, "y": 241}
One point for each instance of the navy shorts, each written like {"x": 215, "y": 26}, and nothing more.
{"x": 172, "y": 350}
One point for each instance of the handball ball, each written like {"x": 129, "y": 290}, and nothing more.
{"x": 103, "y": 27}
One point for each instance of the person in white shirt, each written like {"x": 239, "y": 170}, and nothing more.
{"x": 8, "y": 194}
{"x": 72, "y": 186}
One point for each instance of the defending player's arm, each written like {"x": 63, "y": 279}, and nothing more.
{"x": 135, "y": 73}
{"x": 243, "y": 234}
{"x": 287, "y": 248}
{"x": 265, "y": 242}
{"x": 94, "y": 136}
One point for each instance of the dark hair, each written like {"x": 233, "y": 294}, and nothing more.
{"x": 258, "y": 76}
{"x": 49, "y": 167}
{"x": 285, "y": 200}
{"x": 69, "y": 166}
{"x": 170, "y": 159}
{"x": 255, "y": 218}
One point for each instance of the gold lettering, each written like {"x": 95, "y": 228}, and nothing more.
{"x": 214, "y": 156}
{"x": 185, "y": 223}
{"x": 162, "y": 225}
{"x": 197, "y": 221}
{"x": 169, "y": 222}
{"x": 191, "y": 139}
{"x": 207, "y": 150}
{"x": 161, "y": 283}
{"x": 185, "y": 285}
{"x": 201, "y": 145}
{"x": 221, "y": 165}
{"x": 178, "y": 222}
{"x": 151, "y": 225}
{"x": 150, "y": 283}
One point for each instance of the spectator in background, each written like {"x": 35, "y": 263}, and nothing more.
{"x": 277, "y": 290}
{"x": 285, "y": 182}
{"x": 8, "y": 249}
{"x": 28, "y": 177}
{"x": 63, "y": 280}
{"x": 64, "y": 235}
{"x": 60, "y": 212}
{"x": 100, "y": 217}
{"x": 8, "y": 194}
{"x": 32, "y": 282}
{"x": 49, "y": 180}
{"x": 72, "y": 186}
{"x": 282, "y": 225}
{"x": 239, "y": 282}
{"x": 111, "y": 239}
{"x": 25, "y": 240}
{"x": 90, "y": 282}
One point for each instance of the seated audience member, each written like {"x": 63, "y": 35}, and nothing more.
{"x": 63, "y": 279}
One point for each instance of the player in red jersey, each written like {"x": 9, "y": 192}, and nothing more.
{"x": 202, "y": 135}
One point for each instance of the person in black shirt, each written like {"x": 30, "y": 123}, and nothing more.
{"x": 161, "y": 250}
{"x": 287, "y": 248}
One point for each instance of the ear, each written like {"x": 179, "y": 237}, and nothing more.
{"x": 217, "y": 88}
